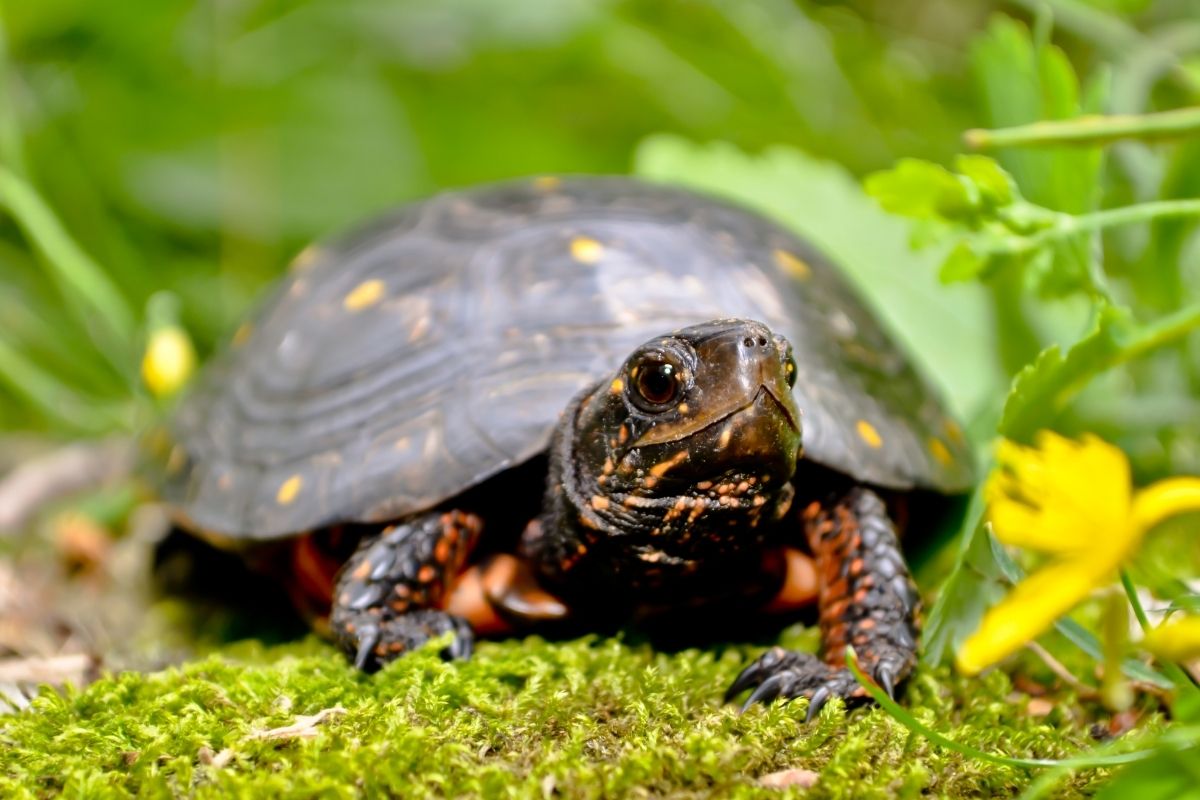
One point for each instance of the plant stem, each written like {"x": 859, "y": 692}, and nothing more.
{"x": 1070, "y": 224}
{"x": 1135, "y": 601}
{"x": 1140, "y": 212}
{"x": 1173, "y": 671}
{"x": 1084, "y": 691}
{"x": 1089, "y": 131}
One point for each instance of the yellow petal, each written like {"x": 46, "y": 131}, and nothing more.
{"x": 1061, "y": 496}
{"x": 169, "y": 360}
{"x": 1031, "y": 608}
{"x": 1175, "y": 640}
{"x": 1164, "y": 499}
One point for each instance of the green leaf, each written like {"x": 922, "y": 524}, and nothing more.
{"x": 976, "y": 583}
{"x": 922, "y": 190}
{"x": 996, "y": 185}
{"x": 1042, "y": 388}
{"x": 1039, "y": 390}
{"x": 963, "y": 264}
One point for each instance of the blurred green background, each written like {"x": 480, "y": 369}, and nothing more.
{"x": 197, "y": 146}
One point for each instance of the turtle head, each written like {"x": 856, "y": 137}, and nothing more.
{"x": 695, "y": 438}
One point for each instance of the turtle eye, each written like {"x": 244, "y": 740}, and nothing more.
{"x": 656, "y": 384}
{"x": 789, "y": 369}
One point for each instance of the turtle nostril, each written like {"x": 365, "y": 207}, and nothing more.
{"x": 762, "y": 341}
{"x": 748, "y": 341}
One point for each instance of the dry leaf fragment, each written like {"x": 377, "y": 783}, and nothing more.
{"x": 804, "y": 778}
{"x": 1039, "y": 707}
{"x": 208, "y": 758}
{"x": 305, "y": 726}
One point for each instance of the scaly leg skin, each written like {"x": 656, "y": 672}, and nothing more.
{"x": 388, "y": 598}
{"x": 867, "y": 601}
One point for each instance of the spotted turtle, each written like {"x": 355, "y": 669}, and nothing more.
{"x": 572, "y": 399}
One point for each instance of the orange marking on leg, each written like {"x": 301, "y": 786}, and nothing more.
{"x": 441, "y": 551}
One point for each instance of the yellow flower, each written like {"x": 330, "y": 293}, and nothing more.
{"x": 1073, "y": 501}
{"x": 1175, "y": 640}
{"x": 169, "y": 360}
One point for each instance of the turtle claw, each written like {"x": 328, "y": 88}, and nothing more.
{"x": 886, "y": 678}
{"x": 818, "y": 700}
{"x": 780, "y": 674}
{"x": 767, "y": 691}
{"x": 463, "y": 644}
{"x": 368, "y": 638}
{"x": 774, "y": 660}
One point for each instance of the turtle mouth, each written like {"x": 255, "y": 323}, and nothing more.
{"x": 781, "y": 406}
{"x": 766, "y": 401}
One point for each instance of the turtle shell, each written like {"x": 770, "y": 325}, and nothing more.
{"x": 409, "y": 361}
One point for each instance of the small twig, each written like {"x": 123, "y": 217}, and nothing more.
{"x": 73, "y": 468}
{"x": 1082, "y": 689}
{"x": 1089, "y": 131}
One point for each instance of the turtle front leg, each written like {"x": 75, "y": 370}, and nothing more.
{"x": 867, "y": 600}
{"x": 389, "y": 597}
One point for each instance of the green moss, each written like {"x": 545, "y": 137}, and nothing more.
{"x": 591, "y": 717}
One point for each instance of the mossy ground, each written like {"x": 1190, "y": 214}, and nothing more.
{"x": 584, "y": 718}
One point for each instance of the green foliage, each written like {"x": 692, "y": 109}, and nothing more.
{"x": 586, "y": 718}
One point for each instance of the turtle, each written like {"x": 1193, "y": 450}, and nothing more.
{"x": 572, "y": 399}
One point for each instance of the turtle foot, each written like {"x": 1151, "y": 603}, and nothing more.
{"x": 780, "y": 674}
{"x": 372, "y": 642}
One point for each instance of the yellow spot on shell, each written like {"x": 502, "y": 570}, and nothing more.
{"x": 940, "y": 451}
{"x": 367, "y": 293}
{"x": 306, "y": 258}
{"x": 288, "y": 490}
{"x": 176, "y": 460}
{"x": 585, "y": 250}
{"x": 618, "y": 386}
{"x": 242, "y": 334}
{"x": 953, "y": 432}
{"x": 547, "y": 183}
{"x": 599, "y": 503}
{"x": 792, "y": 264}
{"x": 868, "y": 434}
